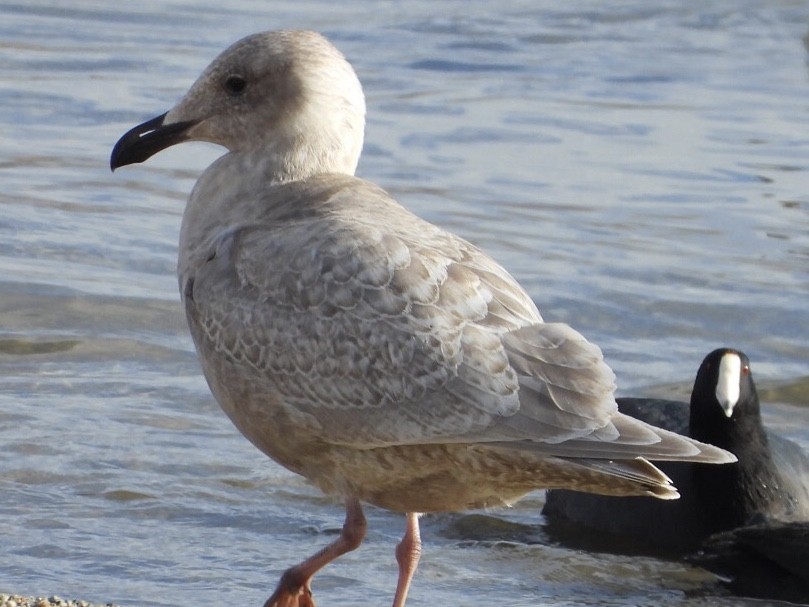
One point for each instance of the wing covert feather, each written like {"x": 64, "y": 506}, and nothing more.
{"x": 417, "y": 328}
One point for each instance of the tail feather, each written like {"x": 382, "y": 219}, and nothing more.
{"x": 634, "y": 477}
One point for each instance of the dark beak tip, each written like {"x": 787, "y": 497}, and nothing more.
{"x": 122, "y": 151}
{"x": 145, "y": 140}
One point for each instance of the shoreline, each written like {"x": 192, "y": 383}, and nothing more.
{"x": 17, "y": 600}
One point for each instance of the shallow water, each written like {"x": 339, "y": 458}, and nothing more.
{"x": 640, "y": 168}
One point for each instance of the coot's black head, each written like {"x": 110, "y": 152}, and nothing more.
{"x": 724, "y": 402}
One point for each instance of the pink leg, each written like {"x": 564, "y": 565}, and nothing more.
{"x": 294, "y": 588}
{"x": 407, "y": 555}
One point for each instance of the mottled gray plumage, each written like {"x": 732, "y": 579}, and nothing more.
{"x": 380, "y": 356}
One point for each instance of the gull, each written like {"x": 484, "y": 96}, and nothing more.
{"x": 381, "y": 357}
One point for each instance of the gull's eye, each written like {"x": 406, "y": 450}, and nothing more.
{"x": 235, "y": 84}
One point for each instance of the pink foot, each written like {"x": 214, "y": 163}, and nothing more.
{"x": 292, "y": 591}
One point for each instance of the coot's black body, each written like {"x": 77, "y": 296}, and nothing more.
{"x": 769, "y": 482}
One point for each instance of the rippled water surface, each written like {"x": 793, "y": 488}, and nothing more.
{"x": 640, "y": 167}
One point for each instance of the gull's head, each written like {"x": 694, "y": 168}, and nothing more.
{"x": 288, "y": 97}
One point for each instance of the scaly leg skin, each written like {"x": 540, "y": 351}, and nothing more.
{"x": 294, "y": 588}
{"x": 408, "y": 553}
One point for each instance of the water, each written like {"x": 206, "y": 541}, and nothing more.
{"x": 640, "y": 167}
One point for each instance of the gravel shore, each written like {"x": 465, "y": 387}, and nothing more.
{"x": 13, "y": 600}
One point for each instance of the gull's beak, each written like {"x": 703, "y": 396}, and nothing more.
{"x": 147, "y": 139}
